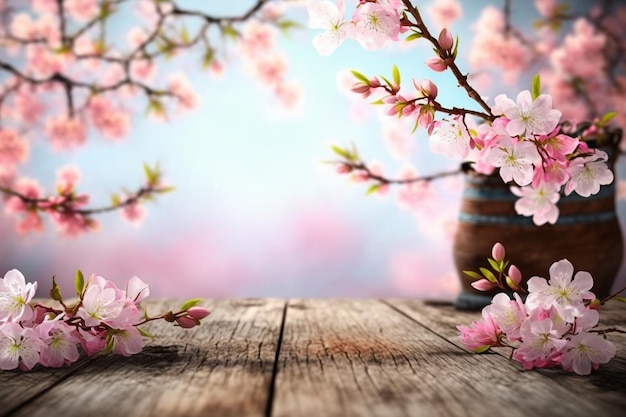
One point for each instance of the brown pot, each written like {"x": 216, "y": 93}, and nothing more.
{"x": 587, "y": 233}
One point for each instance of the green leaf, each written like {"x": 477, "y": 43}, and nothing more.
{"x": 207, "y": 58}
{"x": 286, "y": 25}
{"x": 413, "y": 36}
{"x": 152, "y": 175}
{"x": 372, "y": 189}
{"x": 55, "y": 291}
{"x": 536, "y": 87}
{"x": 495, "y": 265}
{"x": 360, "y": 77}
{"x": 341, "y": 152}
{"x": 115, "y": 200}
{"x": 489, "y": 275}
{"x": 166, "y": 190}
{"x": 482, "y": 349}
{"x": 230, "y": 32}
{"x": 387, "y": 82}
{"x": 456, "y": 47}
{"x": 473, "y": 274}
{"x": 618, "y": 298}
{"x": 184, "y": 35}
{"x": 191, "y": 303}
{"x": 79, "y": 282}
{"x": 604, "y": 120}
{"x": 395, "y": 72}
{"x": 145, "y": 333}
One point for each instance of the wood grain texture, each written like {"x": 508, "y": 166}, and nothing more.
{"x": 363, "y": 358}
{"x": 602, "y": 392}
{"x": 222, "y": 368}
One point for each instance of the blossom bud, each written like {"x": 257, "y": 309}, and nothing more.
{"x": 429, "y": 89}
{"x": 198, "y": 313}
{"x": 375, "y": 83}
{"x": 515, "y": 274}
{"x": 186, "y": 322}
{"x": 482, "y": 285}
{"x": 446, "y": 40}
{"x": 497, "y": 252}
{"x": 595, "y": 304}
{"x": 343, "y": 169}
{"x": 436, "y": 64}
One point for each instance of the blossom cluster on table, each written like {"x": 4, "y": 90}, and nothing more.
{"x": 556, "y": 324}
{"x": 522, "y": 138}
{"x": 104, "y": 319}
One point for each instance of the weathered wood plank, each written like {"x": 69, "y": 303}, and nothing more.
{"x": 222, "y": 368}
{"x": 604, "y": 391}
{"x": 17, "y": 387}
{"x": 363, "y": 358}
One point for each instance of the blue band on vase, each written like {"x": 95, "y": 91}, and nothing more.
{"x": 600, "y": 217}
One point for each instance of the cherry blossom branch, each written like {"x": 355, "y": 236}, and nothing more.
{"x": 351, "y": 163}
{"x": 448, "y": 58}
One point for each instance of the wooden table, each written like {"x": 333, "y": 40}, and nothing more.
{"x": 322, "y": 358}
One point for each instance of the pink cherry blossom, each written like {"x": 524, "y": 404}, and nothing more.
{"x": 586, "y": 351}
{"x": 508, "y": 314}
{"x": 451, "y": 139}
{"x": 15, "y": 294}
{"x": 375, "y": 25}
{"x": 567, "y": 296}
{"x": 60, "y": 342}
{"x": 67, "y": 178}
{"x": 588, "y": 174}
{"x": 99, "y": 304}
{"x": 186, "y": 98}
{"x": 492, "y": 47}
{"x": 581, "y": 52}
{"x": 541, "y": 342}
{"x": 528, "y": 117}
{"x": 66, "y": 133}
{"x": 137, "y": 290}
{"x": 112, "y": 123}
{"x": 482, "y": 334}
{"x": 539, "y": 202}
{"x": 22, "y": 26}
{"x": 82, "y": 10}
{"x": 515, "y": 160}
{"x": 445, "y": 12}
{"x": 546, "y": 8}
{"x": 269, "y": 70}
{"x": 330, "y": 17}
{"x": 18, "y": 347}
{"x": 27, "y": 106}
{"x": 127, "y": 341}
{"x": 13, "y": 148}
{"x": 257, "y": 39}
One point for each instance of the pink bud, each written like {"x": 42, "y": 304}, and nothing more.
{"x": 515, "y": 274}
{"x": 497, "y": 252}
{"x": 436, "y": 64}
{"x": 198, "y": 313}
{"x": 446, "y": 40}
{"x": 375, "y": 83}
{"x": 429, "y": 89}
{"x": 343, "y": 169}
{"x": 186, "y": 322}
{"x": 482, "y": 285}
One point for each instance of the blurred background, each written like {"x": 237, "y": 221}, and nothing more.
{"x": 256, "y": 212}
